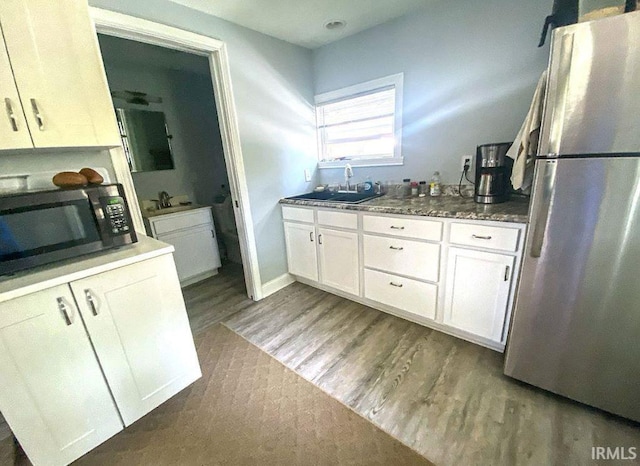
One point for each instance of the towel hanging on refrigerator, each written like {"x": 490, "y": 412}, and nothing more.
{"x": 524, "y": 148}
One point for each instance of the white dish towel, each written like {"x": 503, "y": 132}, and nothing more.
{"x": 525, "y": 146}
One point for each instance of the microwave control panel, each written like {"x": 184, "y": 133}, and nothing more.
{"x": 115, "y": 214}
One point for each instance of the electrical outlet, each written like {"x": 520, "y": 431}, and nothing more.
{"x": 307, "y": 175}
{"x": 465, "y": 161}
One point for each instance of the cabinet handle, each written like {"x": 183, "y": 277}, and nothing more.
{"x": 91, "y": 301}
{"x": 320, "y": 238}
{"x": 393, "y": 227}
{"x": 480, "y": 237}
{"x": 65, "y": 312}
{"x": 311, "y": 236}
{"x": 213, "y": 235}
{"x": 10, "y": 114}
{"x": 395, "y": 248}
{"x": 37, "y": 114}
{"x": 506, "y": 273}
{"x": 397, "y": 285}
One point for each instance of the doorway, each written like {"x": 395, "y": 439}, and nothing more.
{"x": 205, "y": 61}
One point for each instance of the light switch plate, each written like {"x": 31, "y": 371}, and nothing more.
{"x": 307, "y": 174}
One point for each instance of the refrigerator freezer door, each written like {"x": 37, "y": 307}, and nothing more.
{"x": 576, "y": 325}
{"x": 592, "y": 92}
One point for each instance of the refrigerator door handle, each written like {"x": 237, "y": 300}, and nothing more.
{"x": 559, "y": 106}
{"x": 544, "y": 187}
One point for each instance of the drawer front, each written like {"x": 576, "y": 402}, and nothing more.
{"x": 430, "y": 230}
{"x": 402, "y": 293}
{"x": 482, "y": 236}
{"x": 406, "y": 257}
{"x": 182, "y": 220}
{"x": 338, "y": 219}
{"x": 297, "y": 214}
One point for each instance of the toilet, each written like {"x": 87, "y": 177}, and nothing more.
{"x": 228, "y": 234}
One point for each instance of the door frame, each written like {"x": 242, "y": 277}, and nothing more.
{"x": 141, "y": 30}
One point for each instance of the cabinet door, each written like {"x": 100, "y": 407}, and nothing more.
{"x": 53, "y": 395}
{"x": 301, "y": 250}
{"x": 13, "y": 126}
{"x": 59, "y": 74}
{"x": 339, "y": 264}
{"x": 138, "y": 324}
{"x": 196, "y": 251}
{"x": 477, "y": 291}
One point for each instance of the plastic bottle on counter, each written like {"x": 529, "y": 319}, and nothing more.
{"x": 422, "y": 189}
{"x": 406, "y": 187}
{"x": 414, "y": 189}
{"x": 434, "y": 186}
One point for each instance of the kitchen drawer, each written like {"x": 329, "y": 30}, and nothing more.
{"x": 297, "y": 214}
{"x": 402, "y": 293}
{"x": 408, "y": 227}
{"x": 406, "y": 257}
{"x": 338, "y": 219}
{"x": 181, "y": 220}
{"x": 483, "y": 236}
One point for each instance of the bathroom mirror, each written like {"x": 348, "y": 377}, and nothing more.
{"x": 146, "y": 139}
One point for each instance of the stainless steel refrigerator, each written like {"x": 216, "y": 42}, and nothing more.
{"x": 576, "y": 324}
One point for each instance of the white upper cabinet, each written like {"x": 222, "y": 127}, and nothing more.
{"x": 53, "y": 53}
{"x": 14, "y": 133}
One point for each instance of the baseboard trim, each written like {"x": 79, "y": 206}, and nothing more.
{"x": 198, "y": 278}
{"x": 277, "y": 284}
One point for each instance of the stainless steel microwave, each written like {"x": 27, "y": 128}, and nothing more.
{"x": 42, "y": 227}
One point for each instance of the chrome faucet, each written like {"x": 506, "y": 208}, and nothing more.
{"x": 348, "y": 174}
{"x": 164, "y": 200}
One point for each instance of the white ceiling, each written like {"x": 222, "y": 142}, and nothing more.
{"x": 302, "y": 22}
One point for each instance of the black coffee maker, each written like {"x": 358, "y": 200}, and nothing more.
{"x": 493, "y": 173}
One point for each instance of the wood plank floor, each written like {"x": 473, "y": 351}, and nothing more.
{"x": 445, "y": 397}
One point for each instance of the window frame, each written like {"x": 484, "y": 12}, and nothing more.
{"x": 395, "y": 80}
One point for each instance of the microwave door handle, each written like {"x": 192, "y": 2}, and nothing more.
{"x": 544, "y": 187}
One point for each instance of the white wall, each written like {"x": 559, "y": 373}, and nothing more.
{"x": 190, "y": 112}
{"x": 470, "y": 69}
{"x": 273, "y": 92}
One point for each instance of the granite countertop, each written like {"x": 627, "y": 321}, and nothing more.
{"x": 449, "y": 206}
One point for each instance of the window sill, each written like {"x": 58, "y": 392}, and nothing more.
{"x": 363, "y": 163}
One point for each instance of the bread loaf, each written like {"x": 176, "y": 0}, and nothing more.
{"x": 92, "y": 176}
{"x": 70, "y": 180}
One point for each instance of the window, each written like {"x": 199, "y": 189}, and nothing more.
{"x": 361, "y": 124}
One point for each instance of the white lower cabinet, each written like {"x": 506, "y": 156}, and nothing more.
{"x": 62, "y": 366}
{"x": 412, "y": 266}
{"x": 477, "y": 291}
{"x": 403, "y": 293}
{"x": 196, "y": 251}
{"x": 339, "y": 264}
{"x": 406, "y": 257}
{"x": 192, "y": 234}
{"x": 53, "y": 395}
{"x": 329, "y": 256}
{"x": 301, "y": 250}
{"x": 139, "y": 328}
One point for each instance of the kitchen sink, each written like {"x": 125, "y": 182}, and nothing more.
{"x": 328, "y": 196}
